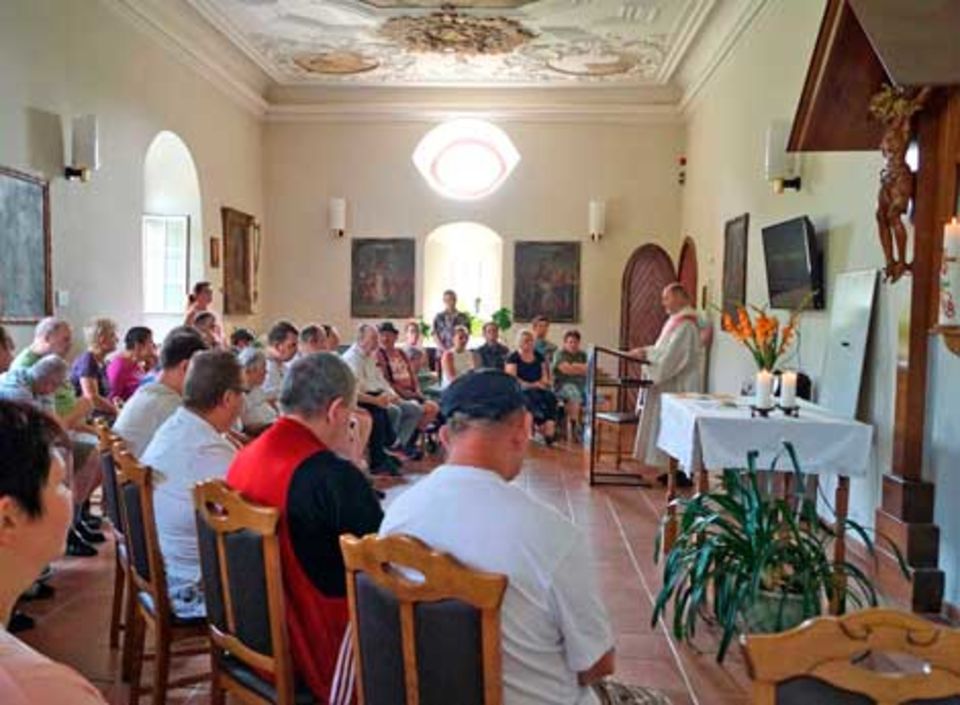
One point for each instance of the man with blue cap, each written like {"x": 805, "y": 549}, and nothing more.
{"x": 557, "y": 643}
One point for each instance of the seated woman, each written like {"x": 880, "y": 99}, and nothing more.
{"x": 35, "y": 510}
{"x": 570, "y": 379}
{"x": 413, "y": 347}
{"x": 126, "y": 369}
{"x": 457, "y": 360}
{"x": 531, "y": 369}
{"x": 257, "y": 413}
{"x": 89, "y": 371}
{"x": 206, "y": 324}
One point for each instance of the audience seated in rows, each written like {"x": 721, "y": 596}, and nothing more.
{"x": 492, "y": 354}
{"x": 298, "y": 466}
{"x": 190, "y": 447}
{"x": 281, "y": 347}
{"x": 557, "y": 642}
{"x": 35, "y": 515}
{"x": 531, "y": 369}
{"x": 457, "y": 360}
{"x": 258, "y": 413}
{"x": 398, "y": 371}
{"x": 126, "y": 369}
{"x": 153, "y": 403}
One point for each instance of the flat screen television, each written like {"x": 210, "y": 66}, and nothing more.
{"x": 794, "y": 264}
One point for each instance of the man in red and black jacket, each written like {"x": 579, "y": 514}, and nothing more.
{"x": 295, "y": 467}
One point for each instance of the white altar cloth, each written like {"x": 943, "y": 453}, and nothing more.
{"x": 717, "y": 432}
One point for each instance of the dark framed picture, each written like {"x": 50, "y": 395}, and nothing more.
{"x": 546, "y": 281}
{"x": 383, "y": 275}
{"x": 26, "y": 293}
{"x": 237, "y": 262}
{"x": 214, "y": 253}
{"x": 735, "y": 263}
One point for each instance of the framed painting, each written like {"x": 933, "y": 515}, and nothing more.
{"x": 214, "y": 253}
{"x": 546, "y": 281}
{"x": 26, "y": 293}
{"x": 735, "y": 263}
{"x": 237, "y": 262}
{"x": 383, "y": 275}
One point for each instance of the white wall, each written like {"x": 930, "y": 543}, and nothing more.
{"x": 562, "y": 167}
{"x": 760, "y": 82}
{"x": 65, "y": 58}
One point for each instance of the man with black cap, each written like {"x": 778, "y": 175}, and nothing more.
{"x": 556, "y": 639}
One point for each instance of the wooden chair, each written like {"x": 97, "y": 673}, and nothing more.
{"x": 821, "y": 661}
{"x": 435, "y": 639}
{"x": 243, "y": 588}
{"x": 148, "y": 583}
{"x": 107, "y": 441}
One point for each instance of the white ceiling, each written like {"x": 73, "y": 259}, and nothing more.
{"x": 575, "y": 42}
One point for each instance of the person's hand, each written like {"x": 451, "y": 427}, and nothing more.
{"x": 383, "y": 401}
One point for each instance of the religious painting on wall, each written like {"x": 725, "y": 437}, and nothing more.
{"x": 383, "y": 275}
{"x": 546, "y": 281}
{"x": 237, "y": 262}
{"x": 735, "y": 263}
{"x": 25, "y": 281}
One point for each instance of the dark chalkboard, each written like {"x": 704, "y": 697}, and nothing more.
{"x": 25, "y": 294}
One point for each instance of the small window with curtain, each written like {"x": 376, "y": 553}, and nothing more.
{"x": 166, "y": 259}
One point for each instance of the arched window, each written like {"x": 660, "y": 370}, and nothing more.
{"x": 465, "y": 159}
{"x": 171, "y": 227}
{"x": 466, "y": 257}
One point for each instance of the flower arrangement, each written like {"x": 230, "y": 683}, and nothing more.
{"x": 763, "y": 335}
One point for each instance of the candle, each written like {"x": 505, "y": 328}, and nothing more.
{"x": 951, "y": 238}
{"x": 788, "y": 390}
{"x": 764, "y": 389}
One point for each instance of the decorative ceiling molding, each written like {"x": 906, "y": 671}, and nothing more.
{"x": 195, "y": 56}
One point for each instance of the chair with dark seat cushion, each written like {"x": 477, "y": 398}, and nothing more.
{"x": 824, "y": 660}
{"x": 148, "y": 587}
{"x": 108, "y": 472}
{"x": 240, "y": 562}
{"x": 433, "y": 639}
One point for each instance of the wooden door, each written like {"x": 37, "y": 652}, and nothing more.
{"x": 648, "y": 271}
{"x": 687, "y": 268}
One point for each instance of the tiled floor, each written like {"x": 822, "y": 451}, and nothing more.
{"x": 622, "y": 523}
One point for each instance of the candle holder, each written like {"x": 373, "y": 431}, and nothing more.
{"x": 791, "y": 411}
{"x": 760, "y": 411}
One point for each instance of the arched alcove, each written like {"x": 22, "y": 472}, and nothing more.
{"x": 172, "y": 229}
{"x": 468, "y": 258}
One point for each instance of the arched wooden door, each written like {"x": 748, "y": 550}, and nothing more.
{"x": 687, "y": 268}
{"x": 648, "y": 271}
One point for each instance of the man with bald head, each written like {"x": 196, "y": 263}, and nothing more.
{"x": 673, "y": 365}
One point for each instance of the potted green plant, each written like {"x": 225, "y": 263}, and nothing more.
{"x": 503, "y": 317}
{"x": 749, "y": 560}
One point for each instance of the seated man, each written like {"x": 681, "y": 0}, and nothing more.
{"x": 188, "y": 448}
{"x": 570, "y": 378}
{"x": 242, "y": 338}
{"x": 492, "y": 354}
{"x": 257, "y": 412}
{"x": 312, "y": 339}
{"x": 395, "y": 419}
{"x": 154, "y": 402}
{"x": 542, "y": 344}
{"x": 556, "y": 638}
{"x": 281, "y": 348}
{"x": 35, "y": 510}
{"x": 126, "y": 369}
{"x": 398, "y": 371}
{"x": 298, "y": 466}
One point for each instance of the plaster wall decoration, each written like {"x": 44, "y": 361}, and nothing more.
{"x": 477, "y": 42}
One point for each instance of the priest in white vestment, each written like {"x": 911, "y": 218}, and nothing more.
{"x": 673, "y": 365}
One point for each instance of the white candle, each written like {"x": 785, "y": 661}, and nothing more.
{"x": 764, "y": 388}
{"x": 951, "y": 238}
{"x": 788, "y": 390}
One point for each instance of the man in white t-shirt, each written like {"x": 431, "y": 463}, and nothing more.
{"x": 188, "y": 448}
{"x": 154, "y": 403}
{"x": 557, "y": 642}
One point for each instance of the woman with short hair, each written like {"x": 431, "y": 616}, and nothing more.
{"x": 89, "y": 371}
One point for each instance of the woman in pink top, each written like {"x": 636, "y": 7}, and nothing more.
{"x": 127, "y": 368}
{"x": 35, "y": 512}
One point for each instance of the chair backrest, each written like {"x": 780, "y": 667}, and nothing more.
{"x": 821, "y": 661}
{"x": 135, "y": 492}
{"x": 108, "y": 470}
{"x": 242, "y": 581}
{"x": 424, "y": 626}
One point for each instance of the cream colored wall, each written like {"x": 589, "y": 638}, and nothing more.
{"x": 65, "y": 58}
{"x": 562, "y": 167}
{"x": 760, "y": 82}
